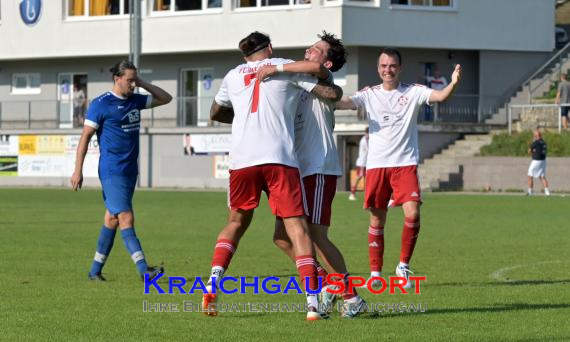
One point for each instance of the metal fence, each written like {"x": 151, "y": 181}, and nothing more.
{"x": 535, "y": 115}
{"x": 195, "y": 111}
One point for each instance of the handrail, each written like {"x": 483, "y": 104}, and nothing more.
{"x": 546, "y": 65}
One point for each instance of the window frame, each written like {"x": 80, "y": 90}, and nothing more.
{"x": 173, "y": 12}
{"x": 351, "y": 3}
{"x": 259, "y": 7}
{"x": 85, "y": 16}
{"x": 431, "y": 7}
{"x": 28, "y": 90}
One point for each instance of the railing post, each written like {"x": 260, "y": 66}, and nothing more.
{"x": 509, "y": 113}
{"x": 559, "y": 119}
{"x": 435, "y": 112}
{"x": 529, "y": 94}
{"x": 29, "y": 114}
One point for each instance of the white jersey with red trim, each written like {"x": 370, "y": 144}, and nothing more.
{"x": 314, "y": 140}
{"x": 392, "y": 118}
{"x": 264, "y": 113}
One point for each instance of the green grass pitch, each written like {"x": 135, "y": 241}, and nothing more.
{"x": 497, "y": 269}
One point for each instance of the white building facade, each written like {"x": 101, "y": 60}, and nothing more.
{"x": 48, "y": 47}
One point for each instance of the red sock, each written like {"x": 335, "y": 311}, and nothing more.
{"x": 409, "y": 238}
{"x": 306, "y": 266}
{"x": 376, "y": 248}
{"x": 345, "y": 295}
{"x": 321, "y": 272}
{"x": 353, "y": 189}
{"x": 223, "y": 253}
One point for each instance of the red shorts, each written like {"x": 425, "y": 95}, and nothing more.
{"x": 320, "y": 190}
{"x": 361, "y": 171}
{"x": 281, "y": 183}
{"x": 401, "y": 183}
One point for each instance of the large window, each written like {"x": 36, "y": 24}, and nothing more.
{"x": 424, "y": 3}
{"x": 170, "y": 6}
{"x": 266, "y": 3}
{"x": 26, "y": 83}
{"x": 94, "y": 8}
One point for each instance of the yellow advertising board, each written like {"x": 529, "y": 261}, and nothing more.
{"x": 28, "y": 144}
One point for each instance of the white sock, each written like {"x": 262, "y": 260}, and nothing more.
{"x": 218, "y": 272}
{"x": 375, "y": 274}
{"x": 546, "y": 191}
{"x": 529, "y": 191}
{"x": 312, "y": 300}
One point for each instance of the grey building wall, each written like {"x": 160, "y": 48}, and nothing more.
{"x": 510, "y": 173}
{"x": 502, "y": 72}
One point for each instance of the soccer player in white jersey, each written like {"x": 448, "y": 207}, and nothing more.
{"x": 393, "y": 154}
{"x": 262, "y": 158}
{"x": 319, "y": 163}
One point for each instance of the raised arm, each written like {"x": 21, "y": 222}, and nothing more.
{"x": 346, "y": 103}
{"x": 159, "y": 96}
{"x": 445, "y": 93}
{"x": 221, "y": 114}
{"x": 77, "y": 177}
{"x": 305, "y": 67}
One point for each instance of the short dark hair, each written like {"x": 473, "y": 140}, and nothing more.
{"x": 119, "y": 68}
{"x": 337, "y": 53}
{"x": 254, "y": 42}
{"x": 392, "y": 53}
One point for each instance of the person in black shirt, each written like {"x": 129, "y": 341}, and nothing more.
{"x": 537, "y": 168}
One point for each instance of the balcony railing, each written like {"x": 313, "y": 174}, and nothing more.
{"x": 194, "y": 111}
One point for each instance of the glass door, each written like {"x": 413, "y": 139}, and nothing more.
{"x": 72, "y": 99}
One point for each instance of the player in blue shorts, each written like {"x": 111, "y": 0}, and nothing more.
{"x": 115, "y": 116}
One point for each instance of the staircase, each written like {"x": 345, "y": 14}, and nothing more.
{"x": 441, "y": 172}
{"x": 536, "y": 85}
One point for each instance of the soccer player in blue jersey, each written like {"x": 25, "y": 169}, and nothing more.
{"x": 115, "y": 117}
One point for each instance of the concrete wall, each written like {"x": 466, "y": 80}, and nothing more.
{"x": 162, "y": 163}
{"x": 502, "y": 72}
{"x": 510, "y": 173}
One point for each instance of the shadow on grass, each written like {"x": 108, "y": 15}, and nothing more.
{"x": 503, "y": 283}
{"x": 484, "y": 309}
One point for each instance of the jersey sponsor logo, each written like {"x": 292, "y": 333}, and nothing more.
{"x": 30, "y": 11}
{"x": 133, "y": 116}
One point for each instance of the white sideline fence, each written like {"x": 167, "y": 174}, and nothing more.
{"x": 533, "y": 106}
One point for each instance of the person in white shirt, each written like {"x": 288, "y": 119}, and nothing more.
{"x": 262, "y": 158}
{"x": 360, "y": 164}
{"x": 393, "y": 155}
{"x": 437, "y": 81}
{"x": 319, "y": 164}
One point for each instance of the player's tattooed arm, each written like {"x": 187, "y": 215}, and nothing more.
{"x": 327, "y": 91}
{"x": 221, "y": 114}
{"x": 345, "y": 103}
